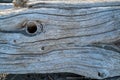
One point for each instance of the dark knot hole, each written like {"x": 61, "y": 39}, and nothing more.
{"x": 31, "y": 28}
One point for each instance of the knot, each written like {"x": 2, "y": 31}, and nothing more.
{"x": 33, "y": 27}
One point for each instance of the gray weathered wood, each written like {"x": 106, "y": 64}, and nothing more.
{"x": 4, "y": 6}
{"x": 70, "y": 37}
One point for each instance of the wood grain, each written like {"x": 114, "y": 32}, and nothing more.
{"x": 83, "y": 40}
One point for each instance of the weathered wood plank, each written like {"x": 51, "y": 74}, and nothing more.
{"x": 75, "y": 4}
{"x": 43, "y": 39}
{"x": 4, "y": 6}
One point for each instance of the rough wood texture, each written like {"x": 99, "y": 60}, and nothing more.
{"x": 4, "y": 6}
{"x": 62, "y": 37}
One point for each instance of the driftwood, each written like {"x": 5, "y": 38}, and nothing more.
{"x": 62, "y": 36}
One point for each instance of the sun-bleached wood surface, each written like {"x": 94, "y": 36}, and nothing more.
{"x": 81, "y": 37}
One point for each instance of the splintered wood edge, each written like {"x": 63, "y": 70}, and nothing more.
{"x": 76, "y": 3}
{"x": 72, "y": 1}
